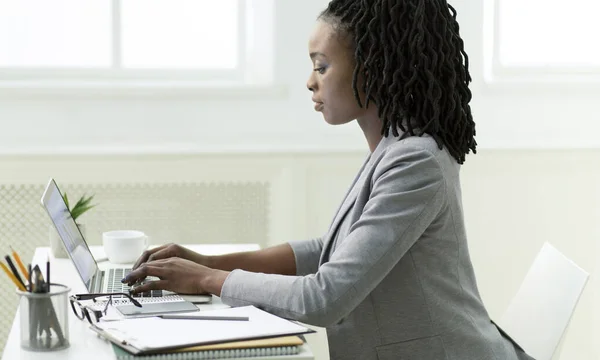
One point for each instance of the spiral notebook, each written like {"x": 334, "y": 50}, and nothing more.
{"x": 153, "y": 335}
{"x": 287, "y": 345}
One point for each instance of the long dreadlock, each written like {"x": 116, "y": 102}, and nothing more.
{"x": 409, "y": 56}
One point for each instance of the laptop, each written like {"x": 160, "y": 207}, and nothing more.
{"x": 96, "y": 280}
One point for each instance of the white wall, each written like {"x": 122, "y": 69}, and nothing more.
{"x": 515, "y": 197}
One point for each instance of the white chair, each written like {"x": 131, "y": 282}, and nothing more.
{"x": 541, "y": 310}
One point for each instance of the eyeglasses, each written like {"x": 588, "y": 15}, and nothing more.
{"x": 90, "y": 314}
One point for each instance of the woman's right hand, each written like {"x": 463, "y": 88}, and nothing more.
{"x": 168, "y": 251}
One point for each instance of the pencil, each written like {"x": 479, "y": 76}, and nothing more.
{"x": 192, "y": 317}
{"x": 29, "y": 278}
{"x": 19, "y": 263}
{"x": 14, "y": 269}
{"x": 12, "y": 277}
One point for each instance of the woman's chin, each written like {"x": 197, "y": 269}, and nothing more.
{"x": 331, "y": 120}
{"x": 334, "y": 121}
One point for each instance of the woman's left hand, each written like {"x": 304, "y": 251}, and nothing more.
{"x": 178, "y": 275}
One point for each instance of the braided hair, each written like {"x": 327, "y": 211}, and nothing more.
{"x": 409, "y": 56}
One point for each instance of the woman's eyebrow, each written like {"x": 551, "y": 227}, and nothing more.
{"x": 317, "y": 54}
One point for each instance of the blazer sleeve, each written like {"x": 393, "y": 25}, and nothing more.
{"x": 307, "y": 255}
{"x": 407, "y": 194}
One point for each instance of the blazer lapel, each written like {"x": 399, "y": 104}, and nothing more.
{"x": 350, "y": 198}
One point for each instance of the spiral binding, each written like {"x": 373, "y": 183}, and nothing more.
{"x": 217, "y": 354}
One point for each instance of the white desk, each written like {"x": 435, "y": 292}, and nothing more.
{"x": 85, "y": 344}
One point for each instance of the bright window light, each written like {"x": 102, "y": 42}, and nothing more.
{"x": 56, "y": 33}
{"x": 180, "y": 34}
{"x": 548, "y": 32}
{"x": 138, "y": 34}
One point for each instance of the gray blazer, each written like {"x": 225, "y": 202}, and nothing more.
{"x": 392, "y": 278}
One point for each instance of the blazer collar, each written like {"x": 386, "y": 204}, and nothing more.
{"x": 352, "y": 193}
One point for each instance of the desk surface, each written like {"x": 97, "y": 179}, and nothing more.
{"x": 85, "y": 344}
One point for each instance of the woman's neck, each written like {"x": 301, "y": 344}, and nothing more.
{"x": 371, "y": 125}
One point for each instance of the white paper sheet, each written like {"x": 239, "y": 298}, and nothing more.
{"x": 155, "y": 333}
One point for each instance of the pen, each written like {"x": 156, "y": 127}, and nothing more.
{"x": 191, "y": 317}
{"x": 19, "y": 263}
{"x": 48, "y": 274}
{"x": 12, "y": 277}
{"x": 14, "y": 270}
{"x": 39, "y": 286}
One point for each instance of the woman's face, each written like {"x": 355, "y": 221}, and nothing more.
{"x": 331, "y": 78}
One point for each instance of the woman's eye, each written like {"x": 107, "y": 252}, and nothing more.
{"x": 320, "y": 70}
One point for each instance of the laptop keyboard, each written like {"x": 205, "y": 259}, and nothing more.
{"x": 115, "y": 285}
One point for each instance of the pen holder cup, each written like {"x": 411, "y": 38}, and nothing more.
{"x": 44, "y": 319}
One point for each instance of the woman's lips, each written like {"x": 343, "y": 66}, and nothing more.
{"x": 318, "y": 106}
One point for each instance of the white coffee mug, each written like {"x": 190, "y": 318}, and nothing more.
{"x": 124, "y": 246}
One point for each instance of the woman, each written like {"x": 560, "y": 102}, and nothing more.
{"x": 392, "y": 278}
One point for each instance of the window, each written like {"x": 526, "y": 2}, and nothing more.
{"x": 136, "y": 40}
{"x": 544, "y": 37}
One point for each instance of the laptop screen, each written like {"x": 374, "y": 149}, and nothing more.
{"x": 68, "y": 231}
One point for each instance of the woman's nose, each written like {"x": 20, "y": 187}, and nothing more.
{"x": 310, "y": 84}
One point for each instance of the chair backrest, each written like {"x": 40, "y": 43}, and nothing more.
{"x": 541, "y": 310}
